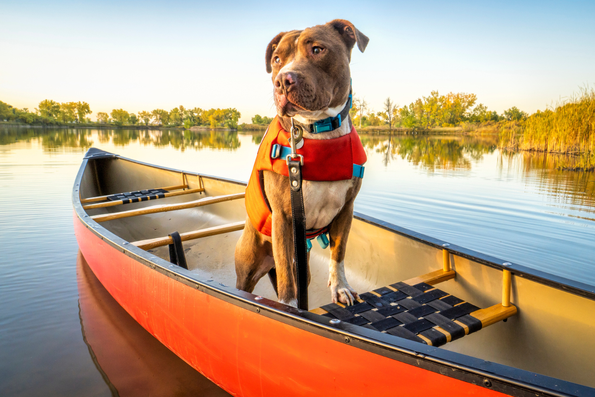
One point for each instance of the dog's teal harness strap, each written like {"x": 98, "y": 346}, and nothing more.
{"x": 281, "y": 152}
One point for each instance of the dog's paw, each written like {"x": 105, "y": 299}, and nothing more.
{"x": 342, "y": 292}
{"x": 292, "y": 302}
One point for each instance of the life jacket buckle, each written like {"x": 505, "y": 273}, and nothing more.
{"x": 276, "y": 151}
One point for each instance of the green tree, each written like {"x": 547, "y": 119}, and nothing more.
{"x": 145, "y": 117}
{"x": 7, "y": 112}
{"x": 120, "y": 116}
{"x": 374, "y": 119}
{"x": 261, "y": 120}
{"x": 102, "y": 117}
{"x": 175, "y": 116}
{"x": 514, "y": 114}
{"x": 48, "y": 108}
{"x": 161, "y": 116}
{"x": 67, "y": 112}
{"x": 195, "y": 115}
{"x": 82, "y": 110}
{"x": 407, "y": 118}
{"x": 132, "y": 119}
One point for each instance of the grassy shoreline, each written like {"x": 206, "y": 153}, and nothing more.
{"x": 567, "y": 129}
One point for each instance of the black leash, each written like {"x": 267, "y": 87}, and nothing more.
{"x": 298, "y": 216}
{"x": 176, "y": 251}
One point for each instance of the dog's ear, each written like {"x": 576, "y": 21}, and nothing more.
{"x": 270, "y": 48}
{"x": 350, "y": 34}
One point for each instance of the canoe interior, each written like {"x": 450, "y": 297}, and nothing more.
{"x": 550, "y": 335}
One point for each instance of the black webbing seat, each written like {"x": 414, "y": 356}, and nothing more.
{"x": 139, "y": 195}
{"x": 418, "y": 312}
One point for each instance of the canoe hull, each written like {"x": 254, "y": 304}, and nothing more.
{"x": 248, "y": 353}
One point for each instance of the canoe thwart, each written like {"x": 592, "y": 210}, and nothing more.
{"x": 104, "y": 198}
{"x": 432, "y": 278}
{"x": 168, "y": 207}
{"x": 138, "y": 196}
{"x": 418, "y": 312}
{"x": 211, "y": 231}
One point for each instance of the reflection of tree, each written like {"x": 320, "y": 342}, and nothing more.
{"x": 79, "y": 138}
{"x": 434, "y": 153}
{"x": 49, "y": 139}
{"x": 564, "y": 187}
{"x": 182, "y": 140}
{"x": 124, "y": 137}
{"x": 431, "y": 152}
{"x": 257, "y": 138}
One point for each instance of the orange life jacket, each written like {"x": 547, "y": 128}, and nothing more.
{"x": 324, "y": 160}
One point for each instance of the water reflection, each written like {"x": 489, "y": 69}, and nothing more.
{"x": 130, "y": 360}
{"x": 49, "y": 139}
{"x": 431, "y": 152}
{"x": 575, "y": 188}
{"x": 83, "y": 138}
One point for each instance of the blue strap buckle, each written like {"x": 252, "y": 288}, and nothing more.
{"x": 276, "y": 151}
{"x": 322, "y": 240}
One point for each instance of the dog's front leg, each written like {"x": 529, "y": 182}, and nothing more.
{"x": 341, "y": 291}
{"x": 283, "y": 253}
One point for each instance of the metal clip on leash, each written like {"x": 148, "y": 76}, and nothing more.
{"x": 298, "y": 215}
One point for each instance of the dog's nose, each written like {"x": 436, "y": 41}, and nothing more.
{"x": 285, "y": 81}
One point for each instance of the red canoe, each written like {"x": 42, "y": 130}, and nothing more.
{"x": 437, "y": 319}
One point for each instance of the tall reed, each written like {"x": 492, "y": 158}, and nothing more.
{"x": 568, "y": 128}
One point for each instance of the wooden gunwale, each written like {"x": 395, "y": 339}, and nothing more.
{"x": 455, "y": 365}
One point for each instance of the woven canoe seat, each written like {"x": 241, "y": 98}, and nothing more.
{"x": 139, "y": 195}
{"x": 418, "y": 312}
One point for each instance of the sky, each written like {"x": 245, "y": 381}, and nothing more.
{"x": 144, "y": 55}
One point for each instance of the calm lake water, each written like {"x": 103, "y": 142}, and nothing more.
{"x": 61, "y": 334}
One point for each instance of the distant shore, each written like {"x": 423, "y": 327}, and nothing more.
{"x": 242, "y": 128}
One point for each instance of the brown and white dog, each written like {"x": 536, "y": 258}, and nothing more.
{"x": 311, "y": 78}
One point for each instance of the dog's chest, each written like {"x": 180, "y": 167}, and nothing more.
{"x": 323, "y": 201}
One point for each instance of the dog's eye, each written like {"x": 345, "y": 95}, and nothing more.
{"x": 277, "y": 59}
{"x": 317, "y": 50}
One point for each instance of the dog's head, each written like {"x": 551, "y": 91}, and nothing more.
{"x": 310, "y": 69}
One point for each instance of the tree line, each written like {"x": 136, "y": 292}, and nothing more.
{"x": 50, "y": 112}
{"x": 432, "y": 111}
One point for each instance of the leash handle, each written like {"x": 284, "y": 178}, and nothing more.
{"x": 298, "y": 218}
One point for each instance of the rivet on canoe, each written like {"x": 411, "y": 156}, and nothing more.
{"x": 507, "y": 264}
{"x": 258, "y": 310}
{"x": 446, "y": 245}
{"x": 347, "y": 340}
{"x": 335, "y": 321}
{"x": 258, "y": 298}
{"x": 125, "y": 243}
